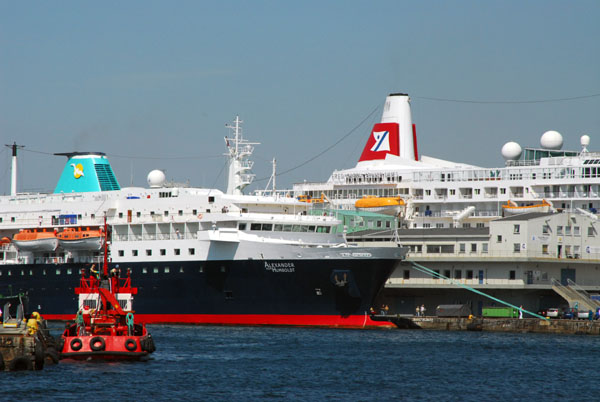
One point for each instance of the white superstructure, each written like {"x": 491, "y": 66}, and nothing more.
{"x": 441, "y": 194}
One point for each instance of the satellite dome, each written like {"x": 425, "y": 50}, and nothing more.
{"x": 511, "y": 151}
{"x": 156, "y": 178}
{"x": 585, "y": 140}
{"x": 551, "y": 140}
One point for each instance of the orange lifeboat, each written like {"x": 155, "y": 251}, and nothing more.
{"x": 308, "y": 199}
{"x": 75, "y": 239}
{"x": 512, "y": 208}
{"x": 35, "y": 240}
{"x": 382, "y": 205}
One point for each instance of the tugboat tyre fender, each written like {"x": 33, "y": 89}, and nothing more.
{"x": 51, "y": 356}
{"x": 39, "y": 355}
{"x": 97, "y": 343}
{"x": 131, "y": 345}
{"x": 21, "y": 363}
{"x": 76, "y": 344}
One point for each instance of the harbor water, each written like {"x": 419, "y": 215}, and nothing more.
{"x": 270, "y": 363}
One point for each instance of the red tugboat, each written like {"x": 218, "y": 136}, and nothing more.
{"x": 104, "y": 327}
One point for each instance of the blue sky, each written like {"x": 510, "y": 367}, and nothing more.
{"x": 153, "y": 83}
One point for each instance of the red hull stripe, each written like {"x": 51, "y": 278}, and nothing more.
{"x": 353, "y": 321}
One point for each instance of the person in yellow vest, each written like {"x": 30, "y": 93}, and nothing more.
{"x": 32, "y": 325}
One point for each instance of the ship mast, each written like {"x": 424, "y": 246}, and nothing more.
{"x": 13, "y": 177}
{"x": 238, "y": 152}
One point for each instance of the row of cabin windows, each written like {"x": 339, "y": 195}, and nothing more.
{"x": 30, "y": 272}
{"x": 162, "y": 252}
{"x": 268, "y": 227}
{"x": 458, "y": 274}
{"x": 138, "y": 214}
{"x": 69, "y": 271}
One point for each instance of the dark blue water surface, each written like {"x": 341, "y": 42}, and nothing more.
{"x": 264, "y": 363}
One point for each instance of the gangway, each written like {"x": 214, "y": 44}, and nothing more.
{"x": 572, "y": 296}
{"x": 582, "y": 291}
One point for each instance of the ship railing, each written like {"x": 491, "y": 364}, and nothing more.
{"x": 274, "y": 194}
{"x": 566, "y": 194}
{"x": 529, "y": 162}
{"x": 535, "y": 172}
{"x": 159, "y": 236}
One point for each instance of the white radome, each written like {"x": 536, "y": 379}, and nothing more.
{"x": 551, "y": 140}
{"x": 511, "y": 151}
{"x": 156, "y": 178}
{"x": 585, "y": 140}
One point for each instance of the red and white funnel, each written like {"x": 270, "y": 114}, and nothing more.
{"x": 395, "y": 135}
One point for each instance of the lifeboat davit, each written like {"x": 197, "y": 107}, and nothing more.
{"x": 35, "y": 240}
{"x": 72, "y": 239}
{"x": 104, "y": 327}
{"x": 512, "y": 208}
{"x": 382, "y": 205}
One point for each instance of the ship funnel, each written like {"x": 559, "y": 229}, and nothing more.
{"x": 395, "y": 134}
{"x": 86, "y": 172}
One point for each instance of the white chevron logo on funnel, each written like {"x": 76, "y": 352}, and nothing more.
{"x": 382, "y": 141}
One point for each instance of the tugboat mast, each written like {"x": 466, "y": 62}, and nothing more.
{"x": 239, "y": 166}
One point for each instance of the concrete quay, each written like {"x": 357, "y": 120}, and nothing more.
{"x": 525, "y": 325}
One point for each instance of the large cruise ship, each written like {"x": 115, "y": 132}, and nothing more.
{"x": 437, "y": 193}
{"x": 197, "y": 255}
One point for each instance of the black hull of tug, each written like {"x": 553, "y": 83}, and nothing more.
{"x": 336, "y": 292}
